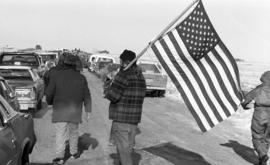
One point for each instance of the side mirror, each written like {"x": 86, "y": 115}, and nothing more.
{"x": 11, "y": 95}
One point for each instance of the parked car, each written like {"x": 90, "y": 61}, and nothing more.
{"x": 49, "y": 59}
{"x": 156, "y": 79}
{"x": 23, "y": 59}
{"x": 17, "y": 136}
{"x": 28, "y": 86}
{"x": 48, "y": 56}
{"x": 99, "y": 61}
{"x": 7, "y": 92}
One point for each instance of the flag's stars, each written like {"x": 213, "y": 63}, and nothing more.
{"x": 197, "y": 33}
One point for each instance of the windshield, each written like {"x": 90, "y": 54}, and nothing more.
{"x": 105, "y": 60}
{"x": 48, "y": 57}
{"x": 149, "y": 68}
{"x": 15, "y": 74}
{"x": 24, "y": 60}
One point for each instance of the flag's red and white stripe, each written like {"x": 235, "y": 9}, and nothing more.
{"x": 200, "y": 82}
{"x": 209, "y": 86}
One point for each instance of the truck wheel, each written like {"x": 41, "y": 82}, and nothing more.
{"x": 39, "y": 105}
{"x": 24, "y": 160}
{"x": 161, "y": 93}
{"x": 155, "y": 93}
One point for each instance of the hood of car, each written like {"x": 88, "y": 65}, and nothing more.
{"x": 20, "y": 83}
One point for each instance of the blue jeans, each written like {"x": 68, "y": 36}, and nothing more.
{"x": 123, "y": 135}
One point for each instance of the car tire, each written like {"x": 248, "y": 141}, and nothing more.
{"x": 25, "y": 158}
{"x": 155, "y": 93}
{"x": 161, "y": 93}
{"x": 39, "y": 104}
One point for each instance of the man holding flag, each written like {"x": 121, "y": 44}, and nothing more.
{"x": 126, "y": 93}
{"x": 200, "y": 66}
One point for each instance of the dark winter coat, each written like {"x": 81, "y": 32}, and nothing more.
{"x": 50, "y": 73}
{"x": 67, "y": 91}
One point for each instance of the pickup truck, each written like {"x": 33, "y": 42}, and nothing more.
{"x": 156, "y": 79}
{"x": 23, "y": 59}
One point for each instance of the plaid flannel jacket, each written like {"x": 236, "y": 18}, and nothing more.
{"x": 126, "y": 93}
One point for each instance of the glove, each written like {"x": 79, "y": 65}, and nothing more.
{"x": 87, "y": 116}
{"x": 106, "y": 86}
{"x": 244, "y": 105}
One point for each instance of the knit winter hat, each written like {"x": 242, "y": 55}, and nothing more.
{"x": 265, "y": 78}
{"x": 127, "y": 55}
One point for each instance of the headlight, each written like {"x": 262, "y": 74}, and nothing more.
{"x": 25, "y": 93}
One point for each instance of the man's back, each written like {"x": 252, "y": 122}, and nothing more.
{"x": 70, "y": 85}
{"x": 67, "y": 91}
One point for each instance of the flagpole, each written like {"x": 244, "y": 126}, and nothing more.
{"x": 160, "y": 34}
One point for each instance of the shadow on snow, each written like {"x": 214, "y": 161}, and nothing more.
{"x": 85, "y": 141}
{"x": 176, "y": 155}
{"x": 245, "y": 152}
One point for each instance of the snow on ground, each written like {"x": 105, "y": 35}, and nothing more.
{"x": 250, "y": 73}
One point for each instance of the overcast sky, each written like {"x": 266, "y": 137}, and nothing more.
{"x": 114, "y": 25}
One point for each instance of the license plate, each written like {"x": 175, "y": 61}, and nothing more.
{"x": 149, "y": 81}
{"x": 24, "y": 107}
{"x": 17, "y": 63}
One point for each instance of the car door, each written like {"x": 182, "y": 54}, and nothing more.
{"x": 8, "y": 148}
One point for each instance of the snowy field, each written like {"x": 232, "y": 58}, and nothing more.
{"x": 250, "y": 73}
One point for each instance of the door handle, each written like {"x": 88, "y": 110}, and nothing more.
{"x": 13, "y": 142}
{"x": 26, "y": 116}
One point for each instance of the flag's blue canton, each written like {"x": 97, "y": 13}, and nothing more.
{"x": 197, "y": 33}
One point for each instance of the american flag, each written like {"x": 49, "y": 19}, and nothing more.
{"x": 201, "y": 67}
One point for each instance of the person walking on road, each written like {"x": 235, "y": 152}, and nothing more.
{"x": 260, "y": 126}
{"x": 67, "y": 91}
{"x": 50, "y": 63}
{"x": 126, "y": 92}
{"x": 49, "y": 73}
{"x": 79, "y": 64}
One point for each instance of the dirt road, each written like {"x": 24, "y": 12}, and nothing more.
{"x": 168, "y": 135}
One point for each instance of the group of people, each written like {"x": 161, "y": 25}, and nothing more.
{"x": 66, "y": 89}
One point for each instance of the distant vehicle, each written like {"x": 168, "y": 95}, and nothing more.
{"x": 28, "y": 86}
{"x": 23, "y": 59}
{"x": 156, "y": 80}
{"x": 48, "y": 58}
{"x": 99, "y": 61}
{"x": 7, "y": 92}
{"x": 17, "y": 136}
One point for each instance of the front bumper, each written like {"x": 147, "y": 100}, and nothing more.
{"x": 152, "y": 88}
{"x": 27, "y": 104}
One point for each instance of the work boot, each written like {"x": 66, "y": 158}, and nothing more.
{"x": 263, "y": 160}
{"x": 58, "y": 161}
{"x": 75, "y": 156}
